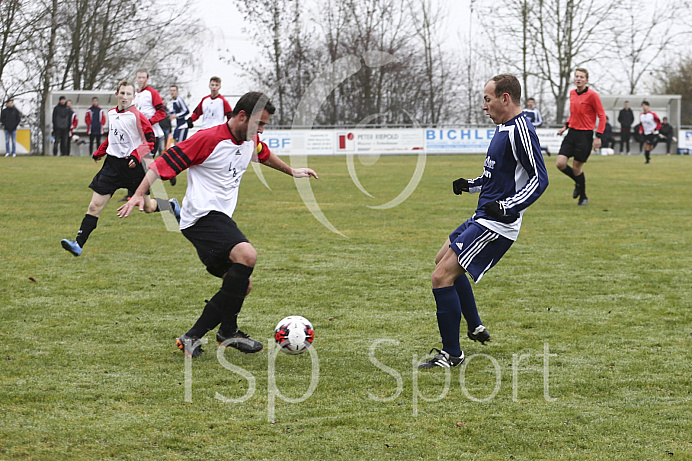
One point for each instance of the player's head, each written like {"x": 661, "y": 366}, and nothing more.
{"x": 174, "y": 91}
{"x": 142, "y": 77}
{"x": 645, "y": 106}
{"x": 94, "y": 101}
{"x": 69, "y": 103}
{"x": 530, "y": 103}
{"x": 10, "y": 103}
{"x": 215, "y": 85}
{"x": 501, "y": 98}
{"x": 125, "y": 94}
{"x": 581, "y": 78}
{"x": 251, "y": 113}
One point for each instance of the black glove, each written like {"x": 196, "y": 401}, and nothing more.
{"x": 460, "y": 185}
{"x": 498, "y": 211}
{"x": 190, "y": 123}
{"x": 95, "y": 157}
{"x": 133, "y": 158}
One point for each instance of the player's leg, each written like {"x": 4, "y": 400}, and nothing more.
{"x": 89, "y": 223}
{"x": 213, "y": 236}
{"x": 474, "y": 325}
{"x": 448, "y": 311}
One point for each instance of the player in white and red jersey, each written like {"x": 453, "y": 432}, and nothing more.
{"x": 149, "y": 102}
{"x": 213, "y": 108}
{"x": 130, "y": 138}
{"x": 216, "y": 160}
{"x": 649, "y": 126}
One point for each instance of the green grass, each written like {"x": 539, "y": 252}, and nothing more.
{"x": 89, "y": 368}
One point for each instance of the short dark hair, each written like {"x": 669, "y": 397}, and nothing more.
{"x": 507, "y": 83}
{"x": 174, "y": 86}
{"x": 645, "y": 102}
{"x": 253, "y": 102}
{"x": 215, "y": 79}
{"x": 142, "y": 71}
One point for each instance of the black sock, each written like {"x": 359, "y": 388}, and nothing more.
{"x": 581, "y": 182}
{"x": 236, "y": 284}
{"x": 225, "y": 306}
{"x": 569, "y": 172}
{"x": 647, "y": 155}
{"x": 162, "y": 205}
{"x": 88, "y": 224}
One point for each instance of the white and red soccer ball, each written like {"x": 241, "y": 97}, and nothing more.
{"x": 294, "y": 334}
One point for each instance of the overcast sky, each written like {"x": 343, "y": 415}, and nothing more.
{"x": 222, "y": 19}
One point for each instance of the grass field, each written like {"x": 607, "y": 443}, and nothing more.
{"x": 589, "y": 311}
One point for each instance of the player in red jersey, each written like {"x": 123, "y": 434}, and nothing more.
{"x": 584, "y": 107}
{"x": 213, "y": 108}
{"x": 130, "y": 138}
{"x": 216, "y": 159}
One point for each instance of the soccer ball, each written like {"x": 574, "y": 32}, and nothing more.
{"x": 294, "y": 334}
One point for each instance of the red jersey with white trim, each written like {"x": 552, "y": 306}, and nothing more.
{"x": 584, "y": 107}
{"x": 650, "y": 123}
{"x": 129, "y": 133}
{"x": 149, "y": 102}
{"x": 216, "y": 162}
{"x": 212, "y": 111}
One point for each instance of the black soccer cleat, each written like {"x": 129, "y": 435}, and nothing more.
{"x": 240, "y": 341}
{"x": 479, "y": 334}
{"x": 442, "y": 359}
{"x": 583, "y": 201}
{"x": 190, "y": 345}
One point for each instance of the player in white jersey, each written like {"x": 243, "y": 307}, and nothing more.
{"x": 149, "y": 102}
{"x": 213, "y": 108}
{"x": 130, "y": 138}
{"x": 514, "y": 176}
{"x": 649, "y": 126}
{"x": 216, "y": 160}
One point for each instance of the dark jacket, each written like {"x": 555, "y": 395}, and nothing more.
{"x": 10, "y": 118}
{"x": 666, "y": 130}
{"x": 626, "y": 118}
{"x": 62, "y": 117}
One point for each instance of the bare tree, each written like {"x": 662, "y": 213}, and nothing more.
{"x": 570, "y": 34}
{"x": 677, "y": 79}
{"x": 642, "y": 34}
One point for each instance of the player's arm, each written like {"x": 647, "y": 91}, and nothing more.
{"x": 158, "y": 104}
{"x": 530, "y": 157}
{"x": 267, "y": 157}
{"x": 148, "y": 138}
{"x": 101, "y": 151}
{"x": 227, "y": 109}
{"x": 196, "y": 114}
{"x": 539, "y": 119}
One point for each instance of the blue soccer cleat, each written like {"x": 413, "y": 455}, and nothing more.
{"x": 175, "y": 208}
{"x": 71, "y": 246}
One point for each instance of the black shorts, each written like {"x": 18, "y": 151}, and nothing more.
{"x": 577, "y": 144}
{"x": 214, "y": 236}
{"x": 116, "y": 174}
{"x": 651, "y": 139}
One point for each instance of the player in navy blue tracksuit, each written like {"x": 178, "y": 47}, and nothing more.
{"x": 514, "y": 176}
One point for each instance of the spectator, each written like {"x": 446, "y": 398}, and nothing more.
{"x": 62, "y": 120}
{"x": 666, "y": 133}
{"x": 10, "y": 118}
{"x": 626, "y": 119}
{"x": 73, "y": 124}
{"x": 95, "y": 120}
{"x": 608, "y": 140}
